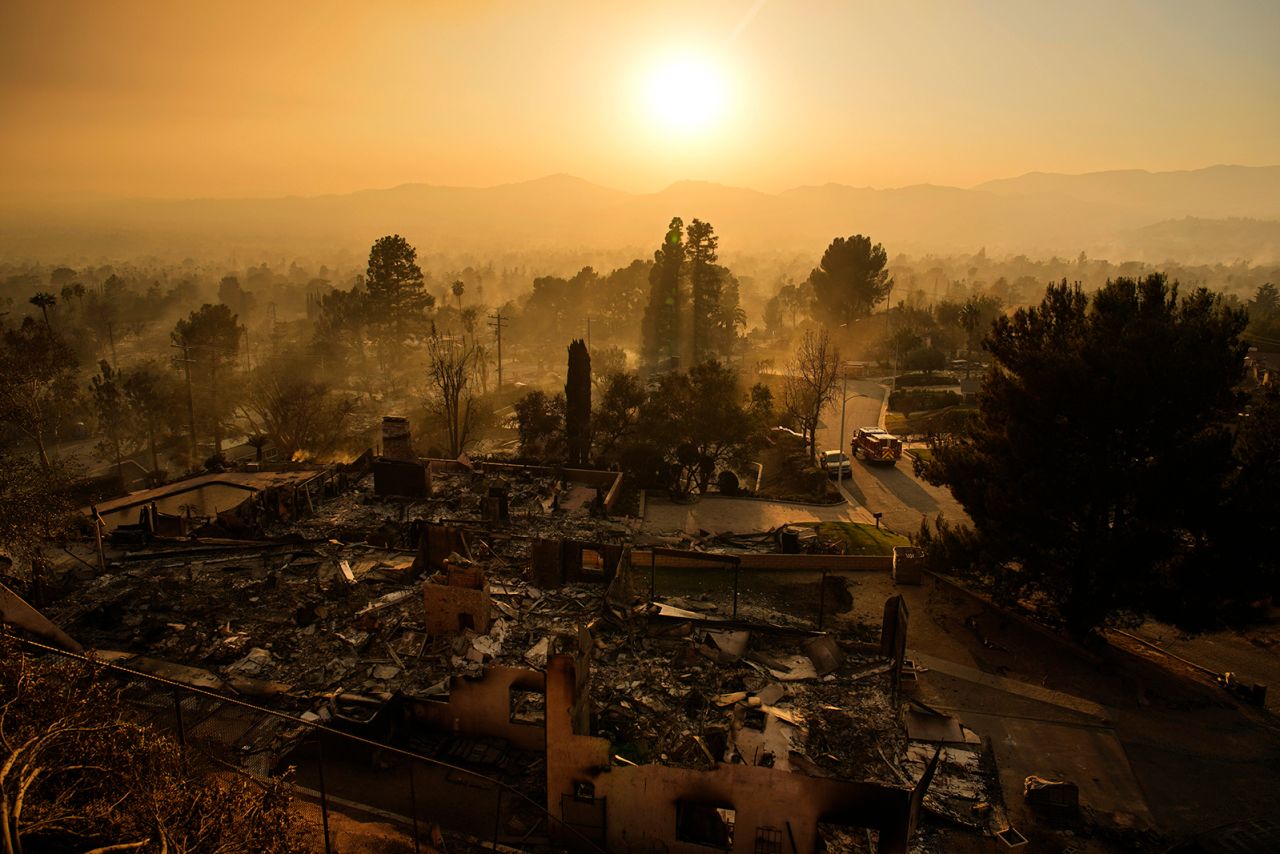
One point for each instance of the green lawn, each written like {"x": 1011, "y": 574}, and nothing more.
{"x": 946, "y": 420}
{"x": 862, "y": 539}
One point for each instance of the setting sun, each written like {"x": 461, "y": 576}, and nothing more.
{"x": 685, "y": 94}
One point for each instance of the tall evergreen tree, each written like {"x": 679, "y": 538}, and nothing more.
{"x": 577, "y": 410}
{"x": 1102, "y": 437}
{"x": 729, "y": 317}
{"x": 661, "y": 325}
{"x": 398, "y": 300}
{"x": 154, "y": 400}
{"x": 112, "y": 410}
{"x": 210, "y": 337}
{"x": 705, "y": 284}
{"x": 850, "y": 279}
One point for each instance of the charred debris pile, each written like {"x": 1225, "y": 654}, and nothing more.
{"x": 385, "y": 603}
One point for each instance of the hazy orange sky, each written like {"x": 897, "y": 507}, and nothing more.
{"x": 268, "y": 98}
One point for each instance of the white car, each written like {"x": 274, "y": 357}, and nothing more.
{"x": 835, "y": 463}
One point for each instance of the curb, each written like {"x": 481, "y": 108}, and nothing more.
{"x": 791, "y": 502}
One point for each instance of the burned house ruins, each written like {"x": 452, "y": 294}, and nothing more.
{"x": 506, "y": 621}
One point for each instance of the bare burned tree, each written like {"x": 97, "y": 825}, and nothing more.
{"x": 78, "y": 774}
{"x": 810, "y": 382}
{"x": 302, "y": 417}
{"x": 452, "y": 371}
{"x": 37, "y": 378}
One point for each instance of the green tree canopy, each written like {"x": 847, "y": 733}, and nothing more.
{"x": 115, "y": 421}
{"x": 617, "y": 417}
{"x": 850, "y": 279}
{"x": 210, "y": 338}
{"x": 1266, "y": 302}
{"x": 155, "y": 401}
{"x": 1101, "y": 437}
{"x": 660, "y": 329}
{"x": 398, "y": 300}
{"x": 705, "y": 286}
{"x": 540, "y": 421}
{"x": 697, "y": 421}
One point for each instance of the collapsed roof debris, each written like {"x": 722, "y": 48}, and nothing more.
{"x": 460, "y": 609}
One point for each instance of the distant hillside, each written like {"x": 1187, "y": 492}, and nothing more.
{"x": 1141, "y": 213}
{"x": 1215, "y": 192}
{"x": 1192, "y": 240}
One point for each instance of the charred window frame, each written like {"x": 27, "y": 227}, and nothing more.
{"x": 768, "y": 840}
{"x": 709, "y": 824}
{"x": 527, "y": 707}
{"x": 593, "y": 563}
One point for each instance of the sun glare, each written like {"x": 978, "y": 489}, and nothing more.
{"x": 685, "y": 94}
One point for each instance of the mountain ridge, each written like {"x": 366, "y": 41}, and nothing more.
{"x": 1035, "y": 213}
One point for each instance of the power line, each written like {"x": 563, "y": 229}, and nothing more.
{"x": 497, "y": 321}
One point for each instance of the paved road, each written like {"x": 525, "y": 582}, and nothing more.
{"x": 895, "y": 491}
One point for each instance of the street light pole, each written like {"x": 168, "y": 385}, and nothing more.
{"x": 888, "y": 307}
{"x": 844, "y": 399}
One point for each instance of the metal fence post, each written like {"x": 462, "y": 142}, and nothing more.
{"x": 653, "y": 570}
{"x": 182, "y": 730}
{"x": 324, "y": 799}
{"x": 822, "y": 599}
{"x": 736, "y": 567}
{"x": 413, "y": 804}
{"x": 497, "y": 818}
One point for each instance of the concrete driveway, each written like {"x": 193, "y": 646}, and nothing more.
{"x": 740, "y": 515}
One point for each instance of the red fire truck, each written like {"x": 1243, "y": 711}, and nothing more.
{"x": 876, "y": 446}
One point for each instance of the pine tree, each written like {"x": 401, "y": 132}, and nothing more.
{"x": 1101, "y": 438}
{"x": 398, "y": 301}
{"x": 210, "y": 336}
{"x": 851, "y": 278}
{"x": 661, "y": 325}
{"x": 705, "y": 282}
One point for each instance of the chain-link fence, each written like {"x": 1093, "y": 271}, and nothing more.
{"x": 475, "y": 787}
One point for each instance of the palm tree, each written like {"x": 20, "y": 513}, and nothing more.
{"x": 44, "y": 299}
{"x": 469, "y": 316}
{"x": 457, "y": 288}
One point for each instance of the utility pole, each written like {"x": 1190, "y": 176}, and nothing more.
{"x": 111, "y": 336}
{"x": 588, "y": 333}
{"x": 191, "y": 403}
{"x": 888, "y": 307}
{"x": 497, "y": 321}
{"x": 275, "y": 331}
